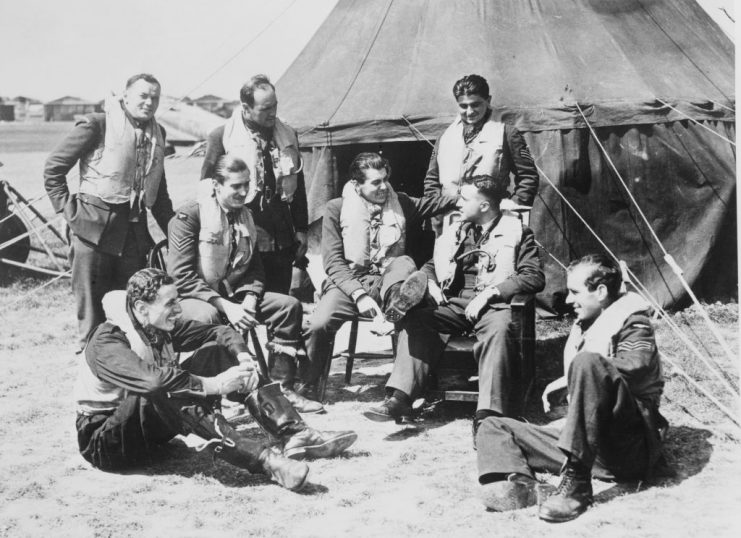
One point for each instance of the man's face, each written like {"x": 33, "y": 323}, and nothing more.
{"x": 374, "y": 188}
{"x": 472, "y": 108}
{"x": 264, "y": 110}
{"x": 472, "y": 204}
{"x": 588, "y": 305}
{"x": 232, "y": 194}
{"x": 164, "y": 311}
{"x": 141, "y": 99}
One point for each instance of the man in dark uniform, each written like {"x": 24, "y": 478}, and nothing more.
{"x": 364, "y": 254}
{"x": 132, "y": 394}
{"x": 480, "y": 263}
{"x": 277, "y": 196}
{"x": 477, "y": 144}
{"x": 121, "y": 155}
{"x": 612, "y": 428}
{"x": 218, "y": 269}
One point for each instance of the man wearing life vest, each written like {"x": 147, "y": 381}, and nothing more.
{"x": 121, "y": 155}
{"x": 480, "y": 262}
{"x": 364, "y": 254}
{"x": 218, "y": 269}
{"x": 612, "y": 429}
{"x": 132, "y": 394}
{"x": 277, "y": 195}
{"x": 476, "y": 144}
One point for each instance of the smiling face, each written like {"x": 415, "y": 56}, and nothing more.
{"x": 472, "y": 108}
{"x": 588, "y": 304}
{"x": 163, "y": 312}
{"x": 375, "y": 189}
{"x": 264, "y": 109}
{"x": 232, "y": 193}
{"x": 141, "y": 99}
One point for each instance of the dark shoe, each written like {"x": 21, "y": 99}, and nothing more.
{"x": 572, "y": 498}
{"x": 392, "y": 408}
{"x": 402, "y": 298}
{"x": 277, "y": 417}
{"x": 514, "y": 492}
{"x": 302, "y": 404}
{"x": 310, "y": 443}
{"x": 288, "y": 473}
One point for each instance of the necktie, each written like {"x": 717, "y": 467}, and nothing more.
{"x": 477, "y": 229}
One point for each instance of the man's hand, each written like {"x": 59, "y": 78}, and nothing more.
{"x": 478, "y": 303}
{"x": 303, "y": 245}
{"x": 237, "y": 316}
{"x": 553, "y": 386}
{"x": 242, "y": 378}
{"x": 249, "y": 304}
{"x": 433, "y": 288}
{"x": 368, "y": 307}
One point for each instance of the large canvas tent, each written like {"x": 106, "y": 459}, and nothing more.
{"x": 653, "y": 78}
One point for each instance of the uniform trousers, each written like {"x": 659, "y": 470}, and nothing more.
{"x": 95, "y": 273}
{"x": 424, "y": 336}
{"x": 603, "y": 429}
{"x": 336, "y": 307}
{"x": 278, "y": 266}
{"x": 126, "y": 436}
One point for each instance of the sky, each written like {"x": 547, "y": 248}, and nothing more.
{"x": 87, "y": 48}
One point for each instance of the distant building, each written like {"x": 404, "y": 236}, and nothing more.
{"x": 67, "y": 107}
{"x": 216, "y": 105}
{"x": 27, "y": 108}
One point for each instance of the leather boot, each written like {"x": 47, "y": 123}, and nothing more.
{"x": 242, "y": 452}
{"x": 513, "y": 492}
{"x": 283, "y": 370}
{"x": 573, "y": 495}
{"x": 402, "y": 297}
{"x": 277, "y": 417}
{"x": 395, "y": 407}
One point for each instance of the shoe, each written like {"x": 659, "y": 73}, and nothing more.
{"x": 572, "y": 497}
{"x": 392, "y": 408}
{"x": 234, "y": 448}
{"x": 301, "y": 403}
{"x": 278, "y": 418}
{"x": 514, "y": 492}
{"x": 402, "y": 298}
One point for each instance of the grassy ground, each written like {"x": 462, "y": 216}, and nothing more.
{"x": 412, "y": 480}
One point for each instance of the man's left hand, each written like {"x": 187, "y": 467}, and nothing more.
{"x": 303, "y": 245}
{"x": 477, "y": 305}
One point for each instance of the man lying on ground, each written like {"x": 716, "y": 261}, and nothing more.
{"x": 612, "y": 427}
{"x": 132, "y": 395}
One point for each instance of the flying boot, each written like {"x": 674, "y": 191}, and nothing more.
{"x": 283, "y": 369}
{"x": 234, "y": 448}
{"x": 278, "y": 418}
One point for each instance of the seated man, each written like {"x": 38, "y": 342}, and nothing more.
{"x": 480, "y": 263}
{"x": 132, "y": 394}
{"x": 218, "y": 270}
{"x": 364, "y": 253}
{"x": 612, "y": 426}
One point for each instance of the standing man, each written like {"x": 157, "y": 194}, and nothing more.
{"x": 475, "y": 144}
{"x": 121, "y": 154}
{"x": 612, "y": 427}
{"x": 218, "y": 270}
{"x": 364, "y": 254}
{"x": 132, "y": 394}
{"x": 479, "y": 264}
{"x": 277, "y": 196}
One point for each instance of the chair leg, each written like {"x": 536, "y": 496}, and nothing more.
{"x": 351, "y": 350}
{"x": 321, "y": 386}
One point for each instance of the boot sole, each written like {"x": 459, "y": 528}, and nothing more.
{"x": 411, "y": 292}
{"x": 383, "y": 417}
{"x": 328, "y": 449}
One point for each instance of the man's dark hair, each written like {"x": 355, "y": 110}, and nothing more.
{"x": 146, "y": 77}
{"x": 492, "y": 189}
{"x": 605, "y": 270}
{"x": 471, "y": 85}
{"x": 229, "y": 164}
{"x": 144, "y": 285}
{"x": 365, "y": 161}
{"x": 247, "y": 93}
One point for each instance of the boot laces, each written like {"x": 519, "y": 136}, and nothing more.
{"x": 567, "y": 480}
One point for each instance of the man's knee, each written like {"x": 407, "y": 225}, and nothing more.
{"x": 587, "y": 361}
{"x": 200, "y": 311}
